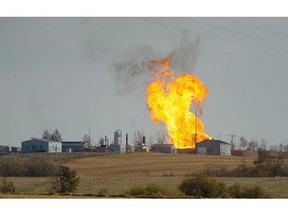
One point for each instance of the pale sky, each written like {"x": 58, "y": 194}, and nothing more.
{"x": 61, "y": 73}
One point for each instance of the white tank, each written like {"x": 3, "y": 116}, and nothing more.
{"x": 117, "y": 137}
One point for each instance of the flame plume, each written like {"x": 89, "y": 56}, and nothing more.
{"x": 169, "y": 100}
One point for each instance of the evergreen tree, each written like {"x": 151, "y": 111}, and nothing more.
{"x": 46, "y": 135}
{"x": 56, "y": 136}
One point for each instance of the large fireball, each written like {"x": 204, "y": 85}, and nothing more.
{"x": 170, "y": 99}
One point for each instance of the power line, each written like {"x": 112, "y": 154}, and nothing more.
{"x": 249, "y": 137}
{"x": 236, "y": 32}
{"x": 166, "y": 25}
{"x": 214, "y": 37}
{"x": 256, "y": 27}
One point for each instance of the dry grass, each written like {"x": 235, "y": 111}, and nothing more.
{"x": 149, "y": 164}
{"x": 276, "y": 187}
{"x": 113, "y": 174}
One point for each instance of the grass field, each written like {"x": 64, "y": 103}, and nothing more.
{"x": 113, "y": 174}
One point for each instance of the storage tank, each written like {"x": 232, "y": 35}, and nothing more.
{"x": 118, "y": 137}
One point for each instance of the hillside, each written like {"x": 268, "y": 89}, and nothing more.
{"x": 114, "y": 173}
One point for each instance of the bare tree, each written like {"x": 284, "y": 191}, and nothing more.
{"x": 138, "y": 137}
{"x": 151, "y": 139}
{"x": 87, "y": 142}
{"x": 161, "y": 137}
{"x": 138, "y": 140}
{"x": 252, "y": 145}
{"x": 243, "y": 143}
{"x": 281, "y": 147}
{"x": 263, "y": 144}
{"x": 285, "y": 147}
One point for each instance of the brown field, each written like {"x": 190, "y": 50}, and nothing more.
{"x": 113, "y": 174}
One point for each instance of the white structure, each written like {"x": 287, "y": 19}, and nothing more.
{"x": 118, "y": 137}
{"x": 40, "y": 145}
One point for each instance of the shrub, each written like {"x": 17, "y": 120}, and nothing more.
{"x": 203, "y": 186}
{"x": 207, "y": 187}
{"x": 146, "y": 191}
{"x": 32, "y": 167}
{"x": 254, "y": 192}
{"x": 7, "y": 186}
{"x": 268, "y": 166}
{"x": 65, "y": 181}
{"x": 215, "y": 171}
{"x": 264, "y": 166}
{"x": 243, "y": 171}
{"x": 235, "y": 191}
{"x": 247, "y": 192}
{"x": 13, "y": 167}
{"x": 40, "y": 167}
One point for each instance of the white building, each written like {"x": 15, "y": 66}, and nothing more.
{"x": 40, "y": 145}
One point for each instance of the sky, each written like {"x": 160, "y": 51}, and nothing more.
{"x": 76, "y": 73}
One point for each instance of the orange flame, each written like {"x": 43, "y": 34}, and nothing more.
{"x": 169, "y": 100}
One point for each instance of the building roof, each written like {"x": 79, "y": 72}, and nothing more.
{"x": 213, "y": 141}
{"x": 43, "y": 140}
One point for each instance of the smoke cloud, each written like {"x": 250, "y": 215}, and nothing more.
{"x": 137, "y": 62}
{"x": 183, "y": 57}
{"x": 136, "y": 67}
{"x": 134, "y": 70}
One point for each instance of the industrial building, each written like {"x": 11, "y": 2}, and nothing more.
{"x": 40, "y": 145}
{"x": 115, "y": 148}
{"x": 163, "y": 148}
{"x": 4, "y": 149}
{"x": 15, "y": 149}
{"x": 72, "y": 146}
{"x": 214, "y": 147}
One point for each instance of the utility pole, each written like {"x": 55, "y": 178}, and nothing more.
{"x": 232, "y": 141}
{"x": 89, "y": 139}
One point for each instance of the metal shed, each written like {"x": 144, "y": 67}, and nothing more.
{"x": 214, "y": 147}
{"x": 163, "y": 148}
{"x": 72, "y": 146}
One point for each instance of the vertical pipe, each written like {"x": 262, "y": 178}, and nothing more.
{"x": 195, "y": 141}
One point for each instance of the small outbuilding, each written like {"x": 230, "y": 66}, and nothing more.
{"x": 115, "y": 148}
{"x": 72, "y": 146}
{"x": 163, "y": 148}
{"x": 4, "y": 149}
{"x": 40, "y": 145}
{"x": 214, "y": 147}
{"x": 15, "y": 149}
